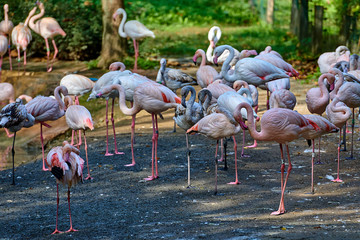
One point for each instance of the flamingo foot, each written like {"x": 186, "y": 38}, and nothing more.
{"x": 251, "y": 146}
{"x": 120, "y": 153}
{"x": 50, "y": 69}
{"x": 130, "y": 165}
{"x": 276, "y": 213}
{"x": 10, "y": 135}
{"x": 56, "y": 231}
{"x": 89, "y": 177}
{"x": 234, "y": 183}
{"x": 72, "y": 230}
{"x": 245, "y": 156}
{"x": 337, "y": 180}
{"x": 108, "y": 154}
{"x": 150, "y": 178}
{"x": 221, "y": 159}
{"x": 45, "y": 169}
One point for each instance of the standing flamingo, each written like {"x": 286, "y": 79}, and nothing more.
{"x": 21, "y": 36}
{"x": 67, "y": 167}
{"x": 6, "y": 26}
{"x": 338, "y": 113}
{"x": 153, "y": 98}
{"x": 77, "y": 85}
{"x": 14, "y": 116}
{"x": 205, "y": 74}
{"x": 46, "y": 27}
{"x": 282, "y": 126}
{"x": 186, "y": 115}
{"x": 3, "y": 49}
{"x": 251, "y": 70}
{"x": 325, "y": 127}
{"x": 47, "y": 109}
{"x": 133, "y": 29}
{"x": 79, "y": 118}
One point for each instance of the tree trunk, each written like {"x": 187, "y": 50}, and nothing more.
{"x": 113, "y": 47}
{"x": 304, "y": 22}
{"x": 345, "y": 30}
{"x": 270, "y": 12}
{"x": 295, "y": 18}
{"x": 318, "y": 26}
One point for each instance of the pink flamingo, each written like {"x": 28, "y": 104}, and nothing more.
{"x": 217, "y": 88}
{"x": 338, "y": 113}
{"x": 47, "y": 109}
{"x": 325, "y": 127}
{"x": 67, "y": 167}
{"x": 77, "y": 85}
{"x": 117, "y": 66}
{"x": 278, "y": 62}
{"x": 21, "y": 36}
{"x": 14, "y": 117}
{"x": 217, "y": 126}
{"x": 79, "y": 118}
{"x": 133, "y": 29}
{"x": 205, "y": 74}
{"x": 3, "y": 49}
{"x": 6, "y": 26}
{"x": 153, "y": 98}
{"x": 214, "y": 36}
{"x": 7, "y": 94}
{"x": 253, "y": 71}
{"x": 46, "y": 27}
{"x": 282, "y": 98}
{"x": 268, "y": 49}
{"x": 328, "y": 59}
{"x": 282, "y": 126}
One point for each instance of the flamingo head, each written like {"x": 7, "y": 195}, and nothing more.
{"x": 89, "y": 123}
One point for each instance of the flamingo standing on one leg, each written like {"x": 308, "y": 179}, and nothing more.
{"x": 153, "y": 98}
{"x": 79, "y": 118}
{"x": 133, "y": 29}
{"x": 67, "y": 167}
{"x": 282, "y": 126}
{"x": 6, "y": 26}
{"x": 47, "y": 109}
{"x": 14, "y": 116}
{"x": 46, "y": 27}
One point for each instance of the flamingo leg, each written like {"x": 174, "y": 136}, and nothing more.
{"x": 136, "y": 55}
{"x": 243, "y": 146}
{"x": 42, "y": 147}
{"x": 8, "y": 133}
{"x": 318, "y": 161}
{"x": 9, "y": 50}
{"x": 71, "y": 229}
{"x": 156, "y": 144}
{"x": 153, "y": 151}
{"x": 338, "y": 170}
{"x": 13, "y": 158}
{"x": 312, "y": 166}
{"x": 24, "y": 60}
{"x": 77, "y": 100}
{"x": 188, "y": 158}
{"x": 107, "y": 130}
{"x": 132, "y": 141}
{"x": 236, "y": 169}
{"x": 79, "y": 140}
{"x": 87, "y": 159}
{"x": 19, "y": 56}
{"x": 55, "y": 53}
{"x": 174, "y": 129}
{"x": 113, "y": 125}
{"x": 344, "y": 138}
{"x": 216, "y": 167}
{"x": 352, "y": 136}
{"x": 222, "y": 150}
{"x": 57, "y": 210}
{"x": 47, "y": 54}
{"x": 281, "y": 209}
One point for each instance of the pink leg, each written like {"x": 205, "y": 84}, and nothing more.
{"x": 281, "y": 209}
{"x": 55, "y": 53}
{"x": 312, "y": 165}
{"x": 71, "y": 229}
{"x": 47, "y": 54}
{"x": 79, "y": 140}
{"x": 156, "y": 144}
{"x": 153, "y": 151}
{"x": 42, "y": 148}
{"x": 8, "y": 133}
{"x": 136, "y": 55}
{"x": 188, "y": 158}
{"x": 57, "y": 210}
{"x": 72, "y": 137}
{"x": 338, "y": 170}
{"x": 9, "y": 50}
{"x": 216, "y": 166}
{"x": 87, "y": 159}
{"x": 24, "y": 60}
{"x": 222, "y": 150}
{"x": 19, "y": 56}
{"x": 113, "y": 125}
{"x": 236, "y": 169}
{"x": 107, "y": 130}
{"x": 132, "y": 141}
{"x": 243, "y": 146}
{"x": 77, "y": 100}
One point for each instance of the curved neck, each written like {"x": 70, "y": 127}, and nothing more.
{"x": 32, "y": 20}
{"x": 209, "y": 53}
{"x": 122, "y": 23}
{"x": 190, "y": 103}
{"x": 323, "y": 89}
{"x": 247, "y": 92}
{"x": 250, "y": 115}
{"x": 240, "y": 83}
{"x": 57, "y": 91}
{"x": 127, "y": 111}
{"x": 226, "y": 65}
{"x": 200, "y": 53}
{"x": 339, "y": 82}
{"x": 6, "y": 18}
{"x": 205, "y": 102}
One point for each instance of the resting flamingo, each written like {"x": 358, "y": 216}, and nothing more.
{"x": 46, "y": 27}
{"x": 205, "y": 74}
{"x": 153, "y": 98}
{"x": 282, "y": 126}
{"x": 282, "y": 98}
{"x": 278, "y": 62}
{"x": 133, "y": 29}
{"x": 79, "y": 118}
{"x": 268, "y": 49}
{"x": 77, "y": 85}
{"x": 14, "y": 117}
{"x": 47, "y": 109}
{"x": 327, "y": 60}
{"x": 117, "y": 66}
{"x": 67, "y": 167}
{"x": 6, "y": 26}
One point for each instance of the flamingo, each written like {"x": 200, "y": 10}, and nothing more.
{"x": 133, "y": 29}
{"x": 21, "y": 36}
{"x": 46, "y": 27}
{"x": 214, "y": 36}
{"x": 173, "y": 79}
{"x": 3, "y": 49}
{"x": 186, "y": 115}
{"x": 47, "y": 109}
{"x": 14, "y": 117}
{"x": 217, "y": 88}
{"x": 117, "y": 66}
{"x": 338, "y": 113}
{"x": 67, "y": 167}
{"x": 268, "y": 49}
{"x": 272, "y": 86}
{"x": 282, "y": 98}
{"x": 6, "y": 26}
{"x": 79, "y": 118}
{"x": 328, "y": 59}
{"x": 7, "y": 94}
{"x": 153, "y": 98}
{"x": 251, "y": 70}
{"x": 77, "y": 85}
{"x": 205, "y": 74}
{"x": 278, "y": 62}
{"x": 282, "y": 126}
{"x": 325, "y": 127}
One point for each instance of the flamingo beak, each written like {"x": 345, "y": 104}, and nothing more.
{"x": 216, "y": 61}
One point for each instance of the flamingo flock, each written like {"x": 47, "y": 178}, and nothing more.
{"x": 227, "y": 103}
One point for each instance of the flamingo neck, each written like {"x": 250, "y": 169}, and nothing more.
{"x": 250, "y": 122}
{"x": 6, "y": 18}
{"x": 33, "y": 26}
{"x": 209, "y": 52}
{"x": 122, "y": 23}
{"x": 58, "y": 97}
{"x": 202, "y": 55}
{"x": 226, "y": 65}
{"x": 122, "y": 102}
{"x": 189, "y": 105}
{"x": 323, "y": 89}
